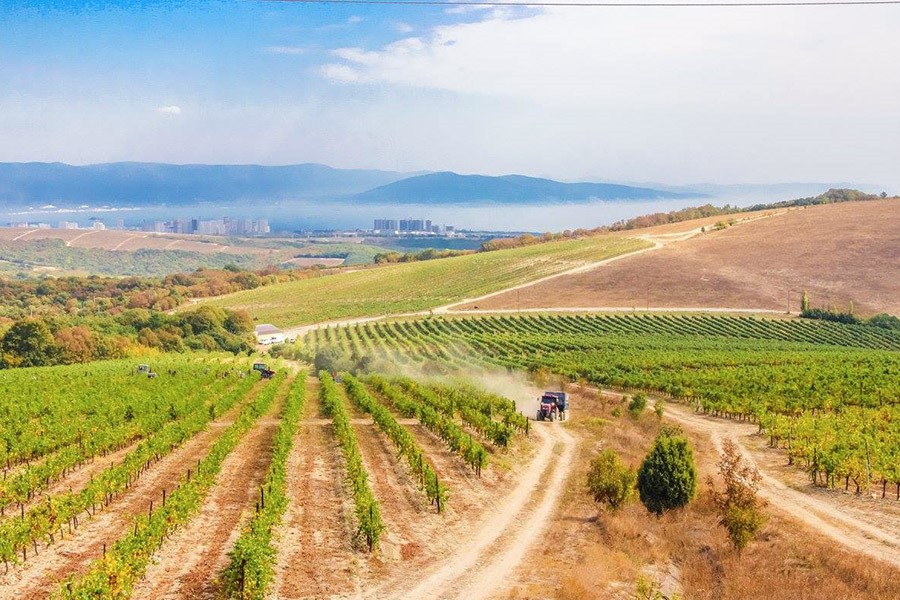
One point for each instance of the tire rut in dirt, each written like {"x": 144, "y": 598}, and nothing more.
{"x": 190, "y": 561}
{"x": 315, "y": 557}
{"x": 821, "y": 513}
{"x": 38, "y": 576}
{"x": 504, "y": 532}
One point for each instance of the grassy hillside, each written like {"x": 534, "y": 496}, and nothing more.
{"x": 418, "y": 286}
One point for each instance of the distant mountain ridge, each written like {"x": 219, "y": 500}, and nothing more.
{"x": 143, "y": 184}
{"x": 451, "y": 188}
{"x": 137, "y": 184}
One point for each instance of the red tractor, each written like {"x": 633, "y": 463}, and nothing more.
{"x": 554, "y": 406}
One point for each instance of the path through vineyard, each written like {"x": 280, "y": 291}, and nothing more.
{"x": 76, "y": 478}
{"x": 823, "y": 515}
{"x": 315, "y": 557}
{"x": 480, "y": 566}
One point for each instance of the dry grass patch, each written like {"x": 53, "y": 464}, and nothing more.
{"x": 602, "y": 555}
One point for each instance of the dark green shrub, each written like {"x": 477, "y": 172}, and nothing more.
{"x": 667, "y": 478}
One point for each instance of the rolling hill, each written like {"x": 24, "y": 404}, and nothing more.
{"x": 141, "y": 184}
{"x": 452, "y": 188}
{"x": 839, "y": 253}
{"x": 415, "y": 286}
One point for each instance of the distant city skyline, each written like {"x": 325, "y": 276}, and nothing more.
{"x": 728, "y": 95}
{"x": 220, "y": 226}
{"x": 410, "y": 226}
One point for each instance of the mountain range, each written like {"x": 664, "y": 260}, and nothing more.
{"x": 452, "y": 188}
{"x": 139, "y": 184}
{"x": 143, "y": 184}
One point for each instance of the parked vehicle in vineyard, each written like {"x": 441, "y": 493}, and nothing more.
{"x": 264, "y": 371}
{"x": 554, "y": 406}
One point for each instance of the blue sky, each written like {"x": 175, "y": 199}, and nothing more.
{"x": 674, "y": 95}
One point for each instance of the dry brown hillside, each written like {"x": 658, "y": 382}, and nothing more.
{"x": 838, "y": 253}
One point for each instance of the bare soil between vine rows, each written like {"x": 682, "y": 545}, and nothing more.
{"x": 189, "y": 563}
{"x": 39, "y": 576}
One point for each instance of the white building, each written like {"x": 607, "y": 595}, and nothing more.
{"x": 269, "y": 334}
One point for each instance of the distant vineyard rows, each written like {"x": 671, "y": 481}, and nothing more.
{"x": 826, "y": 392}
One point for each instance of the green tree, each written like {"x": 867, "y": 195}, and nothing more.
{"x": 637, "y": 405}
{"x": 28, "y": 343}
{"x": 333, "y": 360}
{"x": 667, "y": 478}
{"x": 610, "y": 481}
{"x": 804, "y": 302}
{"x": 238, "y": 322}
{"x": 737, "y": 504}
{"x": 884, "y": 320}
{"x": 659, "y": 408}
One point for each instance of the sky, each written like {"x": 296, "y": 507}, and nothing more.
{"x": 673, "y": 95}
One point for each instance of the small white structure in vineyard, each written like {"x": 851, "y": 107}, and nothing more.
{"x": 267, "y": 334}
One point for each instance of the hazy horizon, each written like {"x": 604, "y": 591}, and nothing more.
{"x": 676, "y": 95}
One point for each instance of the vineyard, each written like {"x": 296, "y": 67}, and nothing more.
{"x": 208, "y": 481}
{"x": 828, "y": 394}
{"x": 108, "y": 486}
{"x": 418, "y": 286}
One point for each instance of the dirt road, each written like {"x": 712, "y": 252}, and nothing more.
{"x": 479, "y": 568}
{"x": 823, "y": 516}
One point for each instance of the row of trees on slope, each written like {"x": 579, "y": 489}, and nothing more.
{"x": 35, "y": 342}
{"x": 94, "y": 295}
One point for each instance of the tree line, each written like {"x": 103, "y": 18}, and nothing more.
{"x": 58, "y": 340}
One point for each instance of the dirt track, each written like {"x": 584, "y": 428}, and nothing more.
{"x": 409, "y": 519}
{"x": 38, "y": 577}
{"x": 76, "y": 478}
{"x": 881, "y": 542}
{"x": 874, "y": 532}
{"x": 503, "y": 535}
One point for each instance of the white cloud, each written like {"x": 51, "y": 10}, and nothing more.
{"x": 401, "y": 27}
{"x": 341, "y": 73}
{"x": 169, "y": 110}
{"x": 289, "y": 50}
{"x": 353, "y": 20}
{"x": 742, "y": 59}
{"x": 737, "y": 94}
